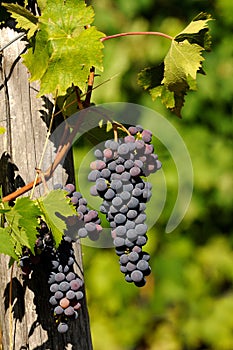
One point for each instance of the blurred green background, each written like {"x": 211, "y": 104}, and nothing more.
{"x": 187, "y": 303}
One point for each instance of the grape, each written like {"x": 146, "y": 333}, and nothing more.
{"x": 97, "y": 165}
{"x": 119, "y": 242}
{"x": 123, "y": 149}
{"x": 125, "y": 195}
{"x": 124, "y": 258}
{"x": 107, "y": 153}
{"x": 54, "y": 288}
{"x": 137, "y": 276}
{"x": 120, "y": 168}
{"x": 141, "y": 240}
{"x": 70, "y": 276}
{"x": 64, "y": 303}
{"x": 123, "y": 269}
{"x": 133, "y": 130}
{"x": 59, "y": 277}
{"x": 79, "y": 295}
{"x": 62, "y": 327}
{"x": 120, "y": 219}
{"x": 70, "y": 295}
{"x": 75, "y": 284}
{"x": 93, "y": 191}
{"x": 110, "y": 194}
{"x": 64, "y": 286}
{"x": 70, "y": 188}
{"x": 130, "y": 266}
{"x": 98, "y": 153}
{"x": 133, "y": 256}
{"x": 135, "y": 171}
{"x": 141, "y": 229}
{"x": 142, "y": 265}
{"x": 120, "y": 230}
{"x": 58, "y": 295}
{"x": 82, "y": 232}
{"x": 131, "y": 234}
{"x": 112, "y": 166}
{"x": 101, "y": 185}
{"x": 58, "y": 310}
{"x": 105, "y": 173}
{"x": 69, "y": 311}
{"x": 53, "y": 301}
{"x": 129, "y": 224}
{"x": 132, "y": 214}
{"x": 146, "y": 135}
{"x": 116, "y": 185}
{"x": 93, "y": 175}
{"x": 117, "y": 201}
{"x": 133, "y": 203}
{"x": 77, "y": 306}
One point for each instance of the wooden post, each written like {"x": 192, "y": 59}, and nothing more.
{"x": 30, "y": 325}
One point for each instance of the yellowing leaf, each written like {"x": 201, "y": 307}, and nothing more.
{"x": 24, "y": 18}
{"x": 6, "y": 243}
{"x": 177, "y": 75}
{"x": 64, "y": 49}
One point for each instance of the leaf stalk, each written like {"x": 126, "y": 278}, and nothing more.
{"x": 136, "y": 33}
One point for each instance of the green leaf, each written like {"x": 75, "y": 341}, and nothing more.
{"x": 55, "y": 208}
{"x": 37, "y": 57}
{"x": 2, "y": 130}
{"x": 22, "y": 220}
{"x": 6, "y": 243}
{"x": 64, "y": 51}
{"x": 24, "y": 18}
{"x": 172, "y": 79}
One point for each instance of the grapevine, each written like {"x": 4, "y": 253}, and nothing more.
{"x": 31, "y": 232}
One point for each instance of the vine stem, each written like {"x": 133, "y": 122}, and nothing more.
{"x": 136, "y": 33}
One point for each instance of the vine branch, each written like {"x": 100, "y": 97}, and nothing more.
{"x": 136, "y": 33}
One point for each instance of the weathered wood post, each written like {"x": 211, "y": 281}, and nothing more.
{"x": 30, "y": 325}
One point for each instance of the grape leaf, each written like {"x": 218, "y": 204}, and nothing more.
{"x": 2, "y": 130}
{"x": 55, "y": 208}
{"x": 173, "y": 78}
{"x": 6, "y": 243}
{"x": 63, "y": 50}
{"x": 22, "y": 221}
{"x": 24, "y": 18}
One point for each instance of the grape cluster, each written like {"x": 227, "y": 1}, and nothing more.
{"x": 87, "y": 222}
{"x": 65, "y": 285}
{"x": 117, "y": 173}
{"x": 43, "y": 247}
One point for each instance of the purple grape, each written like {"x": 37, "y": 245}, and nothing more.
{"x": 69, "y": 311}
{"x": 137, "y": 276}
{"x": 62, "y": 327}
